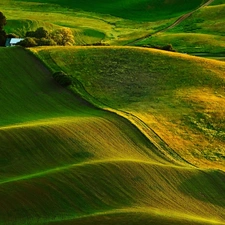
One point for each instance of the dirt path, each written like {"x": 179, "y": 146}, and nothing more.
{"x": 178, "y": 21}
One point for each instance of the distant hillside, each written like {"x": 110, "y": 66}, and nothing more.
{"x": 120, "y": 22}
{"x": 142, "y": 10}
{"x": 202, "y": 32}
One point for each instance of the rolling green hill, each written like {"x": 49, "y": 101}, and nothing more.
{"x": 202, "y": 32}
{"x": 179, "y": 96}
{"x": 64, "y": 161}
{"x": 130, "y": 9}
{"x": 139, "y": 136}
{"x": 114, "y": 23}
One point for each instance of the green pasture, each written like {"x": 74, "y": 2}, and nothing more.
{"x": 187, "y": 42}
{"x": 218, "y": 2}
{"x": 115, "y": 23}
{"x": 208, "y": 20}
{"x": 64, "y": 161}
{"x": 138, "y": 138}
{"x": 141, "y": 10}
{"x": 177, "y": 95}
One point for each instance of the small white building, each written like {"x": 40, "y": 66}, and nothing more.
{"x": 12, "y": 41}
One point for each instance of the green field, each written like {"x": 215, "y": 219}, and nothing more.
{"x": 64, "y": 161}
{"x": 180, "y": 96}
{"x": 139, "y": 136}
{"x": 202, "y": 32}
{"x": 115, "y": 23}
{"x": 141, "y": 10}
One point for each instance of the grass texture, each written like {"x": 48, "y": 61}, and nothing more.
{"x": 180, "y": 97}
{"x": 114, "y": 23}
{"x": 64, "y": 161}
{"x": 130, "y": 9}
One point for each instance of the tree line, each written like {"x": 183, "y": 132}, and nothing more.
{"x": 39, "y": 37}
{"x": 3, "y": 34}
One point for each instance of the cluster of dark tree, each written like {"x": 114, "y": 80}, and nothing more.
{"x": 2, "y": 32}
{"x": 97, "y": 44}
{"x": 41, "y": 37}
{"x": 168, "y": 47}
{"x": 3, "y": 35}
{"x": 62, "y": 78}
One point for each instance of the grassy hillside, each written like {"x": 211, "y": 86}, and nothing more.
{"x": 137, "y": 139}
{"x": 115, "y": 23}
{"x": 201, "y": 32}
{"x": 188, "y": 42}
{"x": 63, "y": 161}
{"x": 180, "y": 97}
{"x": 130, "y": 9}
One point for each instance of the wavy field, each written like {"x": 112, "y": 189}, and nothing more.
{"x": 117, "y": 22}
{"x": 139, "y": 136}
{"x": 179, "y": 96}
{"x": 64, "y": 161}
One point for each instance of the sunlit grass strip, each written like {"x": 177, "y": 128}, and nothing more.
{"x": 93, "y": 162}
{"x": 158, "y": 216}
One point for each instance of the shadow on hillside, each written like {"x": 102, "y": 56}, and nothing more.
{"x": 206, "y": 186}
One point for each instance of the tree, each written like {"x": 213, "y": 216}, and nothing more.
{"x": 62, "y": 78}
{"x": 2, "y": 32}
{"x": 46, "y": 42}
{"x": 38, "y": 33}
{"x": 63, "y": 36}
{"x": 41, "y": 33}
{"x": 2, "y": 21}
{"x": 30, "y": 34}
{"x": 12, "y": 35}
{"x": 3, "y": 37}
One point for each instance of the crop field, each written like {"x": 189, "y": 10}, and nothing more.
{"x": 138, "y": 137}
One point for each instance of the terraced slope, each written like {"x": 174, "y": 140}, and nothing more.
{"x": 63, "y": 161}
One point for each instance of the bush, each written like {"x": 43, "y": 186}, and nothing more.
{"x": 30, "y": 34}
{"x": 168, "y": 47}
{"x": 12, "y": 35}
{"x": 38, "y": 33}
{"x": 62, "y": 78}
{"x": 46, "y": 42}
{"x": 63, "y": 36}
{"x": 28, "y": 42}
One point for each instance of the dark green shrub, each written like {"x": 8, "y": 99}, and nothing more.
{"x": 46, "y": 42}
{"x": 28, "y": 42}
{"x": 3, "y": 37}
{"x": 38, "y": 33}
{"x": 12, "y": 35}
{"x": 62, "y": 78}
{"x": 168, "y": 47}
{"x": 41, "y": 33}
{"x": 30, "y": 34}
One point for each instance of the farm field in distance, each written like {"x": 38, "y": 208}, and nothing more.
{"x": 136, "y": 137}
